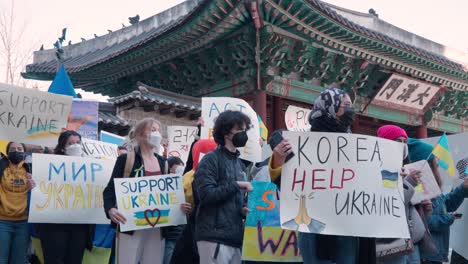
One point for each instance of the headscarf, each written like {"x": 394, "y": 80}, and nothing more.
{"x": 391, "y": 132}
{"x": 419, "y": 150}
{"x": 323, "y": 117}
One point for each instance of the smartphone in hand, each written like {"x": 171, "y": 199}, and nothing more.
{"x": 275, "y": 139}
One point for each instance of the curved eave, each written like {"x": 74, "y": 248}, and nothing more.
{"x": 208, "y": 21}
{"x": 313, "y": 20}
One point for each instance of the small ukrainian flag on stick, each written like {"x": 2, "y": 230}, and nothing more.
{"x": 442, "y": 152}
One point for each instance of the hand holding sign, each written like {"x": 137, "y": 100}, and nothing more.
{"x": 116, "y": 216}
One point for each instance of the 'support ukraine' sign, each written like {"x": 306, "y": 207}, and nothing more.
{"x": 212, "y": 107}
{"x": 31, "y": 116}
{"x": 69, "y": 189}
{"x": 264, "y": 239}
{"x": 150, "y": 202}
{"x": 343, "y": 178}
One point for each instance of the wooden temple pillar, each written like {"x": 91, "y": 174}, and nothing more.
{"x": 260, "y": 104}
{"x": 278, "y": 114}
{"x": 421, "y": 132}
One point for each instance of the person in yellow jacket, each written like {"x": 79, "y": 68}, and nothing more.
{"x": 15, "y": 184}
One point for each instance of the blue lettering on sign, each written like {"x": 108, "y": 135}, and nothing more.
{"x": 57, "y": 171}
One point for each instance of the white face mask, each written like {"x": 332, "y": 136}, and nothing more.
{"x": 405, "y": 151}
{"x": 75, "y": 150}
{"x": 179, "y": 170}
{"x": 155, "y": 139}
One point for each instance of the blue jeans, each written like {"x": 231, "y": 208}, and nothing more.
{"x": 414, "y": 257}
{"x": 14, "y": 239}
{"x": 168, "y": 250}
{"x": 346, "y": 249}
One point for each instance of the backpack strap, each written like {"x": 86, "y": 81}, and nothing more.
{"x": 129, "y": 163}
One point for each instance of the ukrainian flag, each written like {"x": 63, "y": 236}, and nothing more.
{"x": 389, "y": 179}
{"x": 141, "y": 220}
{"x": 263, "y": 129}
{"x": 442, "y": 152}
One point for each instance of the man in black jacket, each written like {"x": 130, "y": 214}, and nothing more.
{"x": 220, "y": 183}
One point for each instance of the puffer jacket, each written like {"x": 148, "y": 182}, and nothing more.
{"x": 218, "y": 198}
{"x": 441, "y": 220}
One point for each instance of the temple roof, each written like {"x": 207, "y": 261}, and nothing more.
{"x": 100, "y": 63}
{"x": 107, "y": 116}
{"x": 155, "y": 96}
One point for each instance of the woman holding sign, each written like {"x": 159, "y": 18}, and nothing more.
{"x": 141, "y": 246}
{"x": 333, "y": 112}
{"x": 66, "y": 243}
{"x": 15, "y": 183}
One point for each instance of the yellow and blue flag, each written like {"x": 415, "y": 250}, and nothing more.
{"x": 442, "y": 152}
{"x": 263, "y": 129}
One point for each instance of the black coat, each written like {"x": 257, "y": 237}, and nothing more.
{"x": 219, "y": 199}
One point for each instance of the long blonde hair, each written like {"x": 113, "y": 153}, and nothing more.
{"x": 139, "y": 129}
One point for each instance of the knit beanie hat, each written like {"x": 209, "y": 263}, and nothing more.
{"x": 391, "y": 132}
{"x": 419, "y": 150}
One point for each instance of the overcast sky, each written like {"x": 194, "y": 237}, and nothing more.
{"x": 445, "y": 21}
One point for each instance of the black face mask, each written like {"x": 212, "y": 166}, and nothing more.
{"x": 239, "y": 140}
{"x": 16, "y": 157}
{"x": 348, "y": 117}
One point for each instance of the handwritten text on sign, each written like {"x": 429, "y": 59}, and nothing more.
{"x": 149, "y": 202}
{"x": 180, "y": 140}
{"x": 69, "y": 189}
{"x": 212, "y": 107}
{"x": 31, "y": 116}
{"x": 264, "y": 239}
{"x": 99, "y": 149}
{"x": 297, "y": 118}
{"x": 343, "y": 178}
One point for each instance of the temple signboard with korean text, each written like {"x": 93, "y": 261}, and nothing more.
{"x": 406, "y": 94}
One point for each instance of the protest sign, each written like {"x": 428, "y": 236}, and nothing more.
{"x": 98, "y": 149}
{"x": 31, "y": 116}
{"x": 180, "y": 140}
{"x": 69, "y": 189}
{"x": 264, "y": 239}
{"x": 459, "y": 229}
{"x": 111, "y": 138}
{"x": 150, "y": 202}
{"x": 343, "y": 184}
{"x": 213, "y": 106}
{"x": 84, "y": 118}
{"x": 428, "y": 187}
{"x": 297, "y": 118}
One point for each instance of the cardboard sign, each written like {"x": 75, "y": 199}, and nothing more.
{"x": 32, "y": 117}
{"x": 296, "y": 118}
{"x": 150, "y": 202}
{"x": 180, "y": 140}
{"x": 98, "y": 149}
{"x": 69, "y": 189}
{"x": 264, "y": 239}
{"x": 459, "y": 229}
{"x": 84, "y": 118}
{"x": 213, "y": 106}
{"x": 343, "y": 184}
{"x": 428, "y": 187}
{"x": 111, "y": 138}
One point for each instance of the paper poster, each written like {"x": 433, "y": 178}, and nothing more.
{"x": 32, "y": 117}
{"x": 338, "y": 178}
{"x": 98, "y": 149}
{"x": 428, "y": 187}
{"x": 69, "y": 189}
{"x": 213, "y": 106}
{"x": 84, "y": 118}
{"x": 264, "y": 239}
{"x": 150, "y": 202}
{"x": 180, "y": 140}
{"x": 111, "y": 138}
{"x": 459, "y": 229}
{"x": 297, "y": 118}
